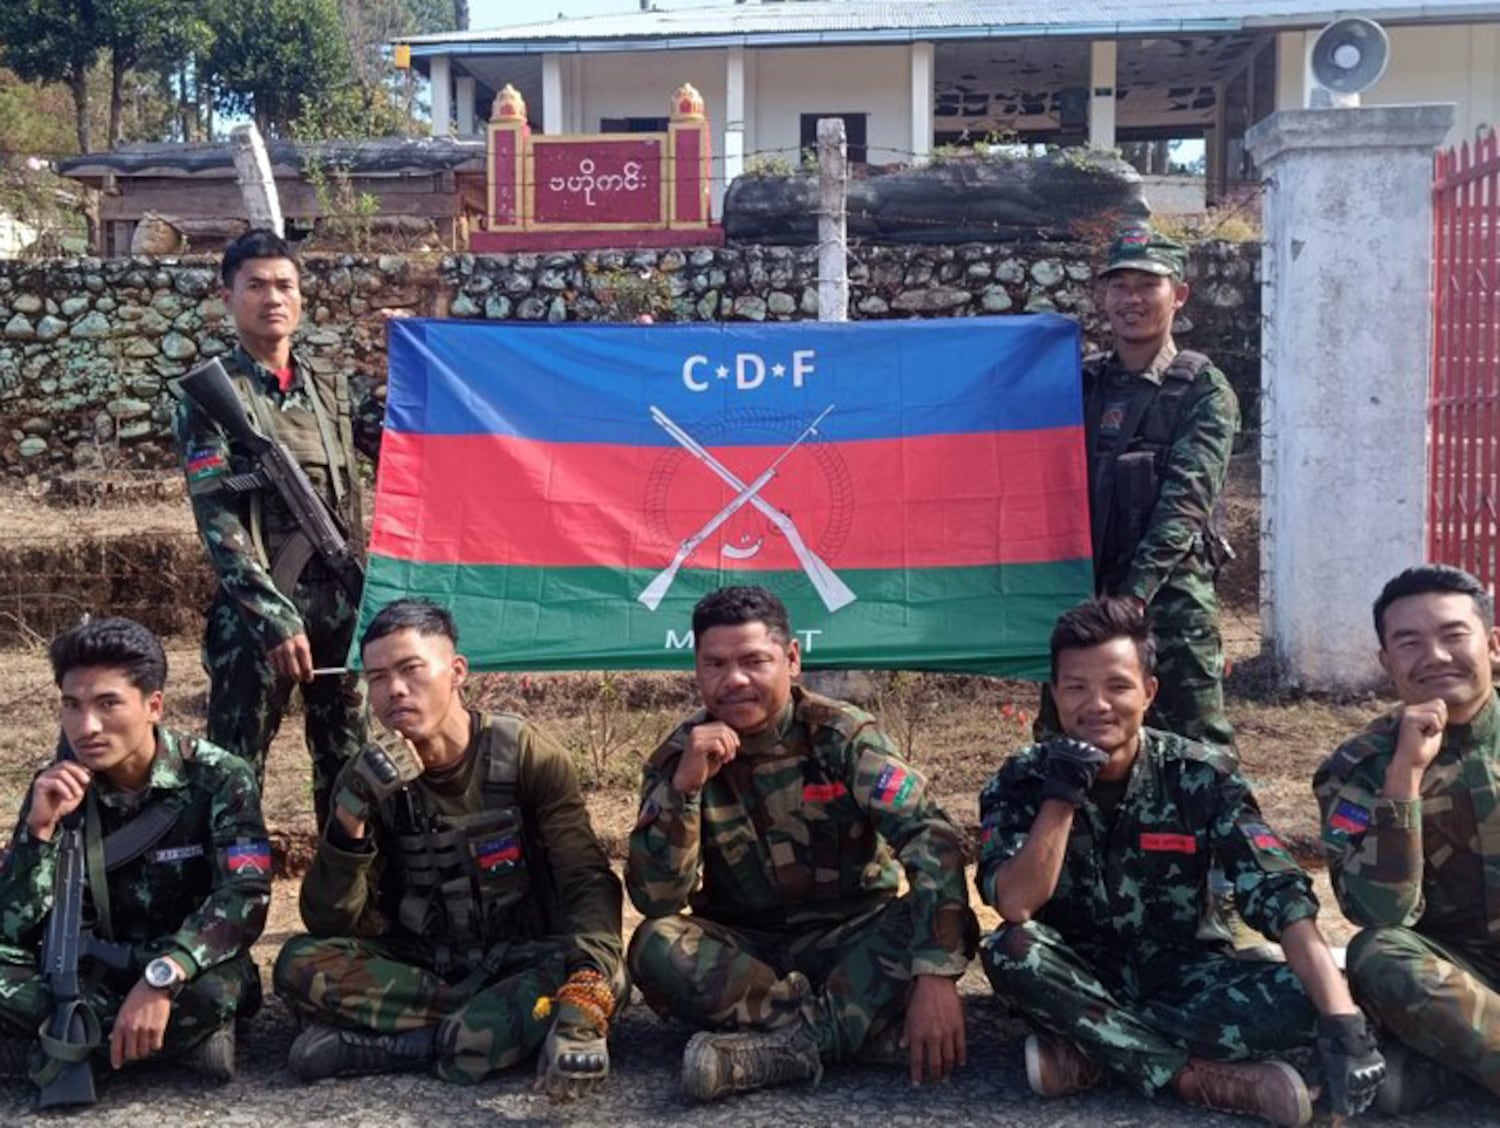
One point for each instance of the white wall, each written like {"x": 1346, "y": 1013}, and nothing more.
{"x": 1457, "y": 63}
{"x": 792, "y": 81}
{"x": 620, "y": 85}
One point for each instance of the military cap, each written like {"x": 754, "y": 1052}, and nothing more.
{"x": 1140, "y": 248}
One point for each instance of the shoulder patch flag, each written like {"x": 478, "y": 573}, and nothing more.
{"x": 249, "y": 857}
{"x": 1349, "y": 817}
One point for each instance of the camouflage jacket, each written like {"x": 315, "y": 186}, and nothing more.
{"x": 541, "y": 875}
{"x": 1143, "y": 874}
{"x": 199, "y": 895}
{"x": 807, "y": 827}
{"x": 224, "y": 519}
{"x": 1430, "y": 863}
{"x": 1171, "y": 552}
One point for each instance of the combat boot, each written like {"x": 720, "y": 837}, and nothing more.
{"x": 1055, "y": 1068}
{"x": 715, "y": 1065}
{"x": 1272, "y": 1090}
{"x": 213, "y": 1058}
{"x": 330, "y": 1051}
{"x": 1412, "y": 1081}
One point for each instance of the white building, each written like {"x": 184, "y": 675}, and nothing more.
{"x": 908, "y": 76}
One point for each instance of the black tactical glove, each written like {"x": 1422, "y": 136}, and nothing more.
{"x": 1351, "y": 1061}
{"x": 386, "y": 765}
{"x": 575, "y": 1056}
{"x": 1069, "y": 768}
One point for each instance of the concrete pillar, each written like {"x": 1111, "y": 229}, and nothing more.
{"x": 1346, "y": 293}
{"x": 1102, "y": 57}
{"x": 463, "y": 104}
{"x": 921, "y": 102}
{"x": 441, "y": 78}
{"x": 552, "y": 93}
{"x": 734, "y": 112}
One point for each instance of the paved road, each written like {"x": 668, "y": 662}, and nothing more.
{"x": 991, "y": 1092}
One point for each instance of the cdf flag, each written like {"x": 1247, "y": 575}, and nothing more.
{"x": 915, "y": 491}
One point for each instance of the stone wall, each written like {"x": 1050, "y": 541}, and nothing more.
{"x": 87, "y": 347}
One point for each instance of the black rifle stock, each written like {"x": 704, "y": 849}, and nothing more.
{"x": 211, "y": 389}
{"x": 71, "y": 1033}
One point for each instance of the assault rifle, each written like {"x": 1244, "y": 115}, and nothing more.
{"x": 72, "y": 1032}
{"x": 210, "y": 388}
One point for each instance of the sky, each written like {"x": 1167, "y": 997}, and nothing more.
{"x": 484, "y": 14}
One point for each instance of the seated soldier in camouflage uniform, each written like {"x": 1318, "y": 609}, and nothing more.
{"x": 177, "y": 825}
{"x": 1411, "y": 825}
{"x": 1095, "y": 850}
{"x": 784, "y": 819}
{"x": 462, "y": 912}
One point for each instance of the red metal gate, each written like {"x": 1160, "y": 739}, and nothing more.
{"x": 1464, "y": 408}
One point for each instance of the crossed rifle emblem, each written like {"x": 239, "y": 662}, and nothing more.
{"x": 831, "y": 590}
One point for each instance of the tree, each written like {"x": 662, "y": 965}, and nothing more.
{"x": 53, "y": 41}
{"x": 270, "y": 56}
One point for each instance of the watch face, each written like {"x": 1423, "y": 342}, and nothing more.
{"x": 159, "y": 973}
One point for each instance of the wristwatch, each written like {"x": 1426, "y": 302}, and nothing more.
{"x": 164, "y": 975}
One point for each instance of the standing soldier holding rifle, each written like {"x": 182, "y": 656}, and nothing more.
{"x": 276, "y": 497}
{"x": 140, "y": 865}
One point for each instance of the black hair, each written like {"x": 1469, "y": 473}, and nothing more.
{"x": 116, "y": 643}
{"x": 1440, "y": 578}
{"x": 420, "y": 615}
{"x": 1104, "y": 619}
{"x": 257, "y": 243}
{"x": 735, "y": 606}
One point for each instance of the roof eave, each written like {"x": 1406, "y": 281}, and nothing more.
{"x": 432, "y": 46}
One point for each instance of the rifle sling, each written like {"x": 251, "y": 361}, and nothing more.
{"x": 141, "y": 833}
{"x": 93, "y": 855}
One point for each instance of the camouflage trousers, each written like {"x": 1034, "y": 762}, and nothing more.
{"x": 720, "y": 978}
{"x": 484, "y": 1024}
{"x": 1190, "y": 680}
{"x": 211, "y": 999}
{"x": 1140, "y": 1014}
{"x": 1439, "y": 999}
{"x": 247, "y": 699}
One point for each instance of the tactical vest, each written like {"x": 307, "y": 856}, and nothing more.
{"x": 466, "y": 880}
{"x": 322, "y": 443}
{"x": 1125, "y": 475}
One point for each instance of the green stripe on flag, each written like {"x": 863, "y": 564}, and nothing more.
{"x": 995, "y": 619}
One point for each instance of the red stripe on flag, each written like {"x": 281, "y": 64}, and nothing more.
{"x": 934, "y": 501}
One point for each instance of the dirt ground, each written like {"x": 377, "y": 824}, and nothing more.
{"x": 958, "y": 729}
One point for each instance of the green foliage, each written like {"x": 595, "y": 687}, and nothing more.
{"x": 271, "y": 57}
{"x": 347, "y": 216}
{"x": 768, "y": 164}
{"x": 629, "y": 295}
{"x": 34, "y": 118}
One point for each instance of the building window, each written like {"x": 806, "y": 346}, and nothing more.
{"x": 854, "y": 134}
{"x": 634, "y": 125}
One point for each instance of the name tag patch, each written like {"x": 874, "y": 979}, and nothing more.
{"x": 177, "y": 853}
{"x": 1169, "y": 843}
{"x": 823, "y": 792}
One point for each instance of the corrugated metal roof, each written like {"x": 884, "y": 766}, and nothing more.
{"x": 856, "y": 21}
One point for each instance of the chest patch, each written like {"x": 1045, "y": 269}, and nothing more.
{"x": 1157, "y": 843}
{"x": 823, "y": 792}
{"x": 499, "y": 853}
{"x": 178, "y": 853}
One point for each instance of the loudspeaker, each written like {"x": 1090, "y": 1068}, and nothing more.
{"x": 1348, "y": 56}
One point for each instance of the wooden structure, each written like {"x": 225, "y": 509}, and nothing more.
{"x": 597, "y": 189}
{"x": 1464, "y": 408}
{"x": 418, "y": 184}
